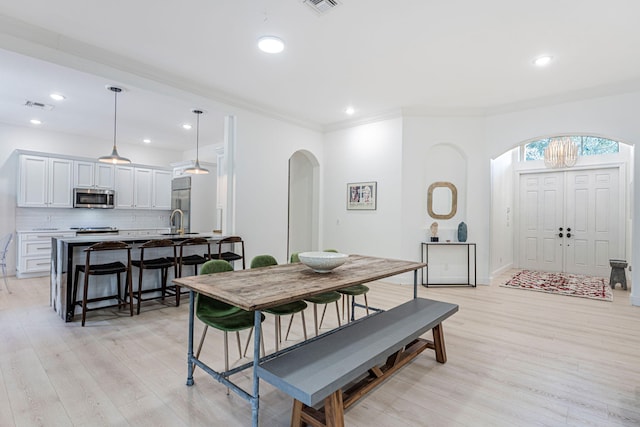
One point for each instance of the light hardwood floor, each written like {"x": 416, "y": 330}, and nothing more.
{"x": 515, "y": 358}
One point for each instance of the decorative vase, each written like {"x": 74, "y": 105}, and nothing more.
{"x": 462, "y": 232}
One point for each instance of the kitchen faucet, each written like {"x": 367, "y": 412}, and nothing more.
{"x": 175, "y": 211}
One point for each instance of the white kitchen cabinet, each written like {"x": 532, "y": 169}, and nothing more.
{"x": 83, "y": 174}
{"x": 104, "y": 176}
{"x": 34, "y": 252}
{"x": 162, "y": 189}
{"x": 45, "y": 182}
{"x": 142, "y": 188}
{"x": 124, "y": 187}
{"x": 93, "y": 175}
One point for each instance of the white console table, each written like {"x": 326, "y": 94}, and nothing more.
{"x": 424, "y": 253}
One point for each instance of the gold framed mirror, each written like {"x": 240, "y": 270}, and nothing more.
{"x": 442, "y": 200}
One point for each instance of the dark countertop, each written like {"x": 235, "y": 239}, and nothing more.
{"x": 95, "y": 238}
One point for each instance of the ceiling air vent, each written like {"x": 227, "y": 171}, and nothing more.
{"x": 39, "y": 105}
{"x": 322, "y": 6}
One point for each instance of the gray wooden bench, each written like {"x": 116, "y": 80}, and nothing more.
{"x": 341, "y": 367}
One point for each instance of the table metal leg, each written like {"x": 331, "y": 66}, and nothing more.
{"x": 192, "y": 297}
{"x": 415, "y": 284}
{"x": 255, "y": 400}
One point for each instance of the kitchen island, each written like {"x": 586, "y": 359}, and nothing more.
{"x": 67, "y": 252}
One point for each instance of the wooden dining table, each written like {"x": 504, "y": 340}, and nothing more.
{"x": 261, "y": 288}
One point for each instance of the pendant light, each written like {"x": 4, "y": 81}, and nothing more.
{"x": 114, "y": 157}
{"x": 196, "y": 169}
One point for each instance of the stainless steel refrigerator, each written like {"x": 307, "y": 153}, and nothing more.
{"x": 196, "y": 197}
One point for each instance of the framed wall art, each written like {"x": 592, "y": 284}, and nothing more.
{"x": 362, "y": 196}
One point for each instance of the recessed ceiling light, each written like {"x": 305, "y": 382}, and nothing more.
{"x": 35, "y": 122}
{"x": 57, "y": 97}
{"x": 542, "y": 60}
{"x": 270, "y": 44}
{"x": 146, "y": 140}
{"x": 186, "y": 126}
{"x": 349, "y": 110}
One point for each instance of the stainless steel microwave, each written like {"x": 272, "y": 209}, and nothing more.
{"x": 94, "y": 198}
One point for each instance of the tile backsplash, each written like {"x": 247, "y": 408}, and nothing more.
{"x": 39, "y": 218}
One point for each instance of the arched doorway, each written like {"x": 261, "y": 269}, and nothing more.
{"x": 533, "y": 205}
{"x": 304, "y": 190}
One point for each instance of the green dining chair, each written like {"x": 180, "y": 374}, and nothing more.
{"x": 352, "y": 291}
{"x": 220, "y": 315}
{"x": 324, "y": 298}
{"x": 281, "y": 310}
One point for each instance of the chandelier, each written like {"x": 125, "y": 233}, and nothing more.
{"x": 560, "y": 153}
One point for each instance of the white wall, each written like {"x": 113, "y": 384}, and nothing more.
{"x": 420, "y": 135}
{"x": 502, "y": 204}
{"x": 263, "y": 148}
{"x": 371, "y": 152}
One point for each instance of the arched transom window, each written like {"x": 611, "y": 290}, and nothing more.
{"x": 587, "y": 146}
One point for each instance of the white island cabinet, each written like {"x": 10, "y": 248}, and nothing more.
{"x": 45, "y": 182}
{"x": 34, "y": 252}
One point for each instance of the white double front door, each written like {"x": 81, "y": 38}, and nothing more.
{"x": 571, "y": 221}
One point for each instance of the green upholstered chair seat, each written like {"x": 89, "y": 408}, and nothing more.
{"x": 234, "y": 322}
{"x": 354, "y": 290}
{"x": 211, "y": 307}
{"x": 289, "y": 308}
{"x": 324, "y": 298}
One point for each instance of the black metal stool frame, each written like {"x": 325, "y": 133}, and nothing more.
{"x": 161, "y": 263}
{"x": 116, "y": 268}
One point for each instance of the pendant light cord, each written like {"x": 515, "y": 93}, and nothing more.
{"x": 197, "y": 136}
{"x": 115, "y": 117}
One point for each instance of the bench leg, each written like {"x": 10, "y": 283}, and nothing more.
{"x": 334, "y": 409}
{"x": 333, "y": 415}
{"x": 296, "y": 414}
{"x": 438, "y": 341}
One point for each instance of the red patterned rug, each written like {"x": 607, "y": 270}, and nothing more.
{"x": 574, "y": 285}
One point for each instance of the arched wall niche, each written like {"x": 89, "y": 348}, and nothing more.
{"x": 446, "y": 163}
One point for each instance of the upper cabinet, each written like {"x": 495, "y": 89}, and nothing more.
{"x": 143, "y": 183}
{"x": 93, "y": 175}
{"x": 142, "y": 188}
{"x": 162, "y": 189}
{"x": 45, "y": 182}
{"x": 124, "y": 187}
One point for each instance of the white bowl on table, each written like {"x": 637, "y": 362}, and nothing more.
{"x": 322, "y": 262}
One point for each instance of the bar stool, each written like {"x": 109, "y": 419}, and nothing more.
{"x": 194, "y": 260}
{"x": 230, "y": 256}
{"x": 162, "y": 263}
{"x": 115, "y": 267}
